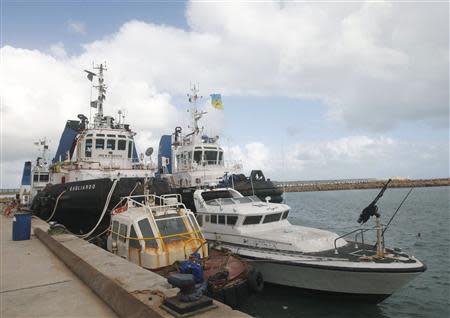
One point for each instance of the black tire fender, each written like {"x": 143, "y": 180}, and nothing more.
{"x": 256, "y": 281}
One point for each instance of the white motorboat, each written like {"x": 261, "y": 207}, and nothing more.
{"x": 299, "y": 256}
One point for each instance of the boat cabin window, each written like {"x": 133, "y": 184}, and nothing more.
{"x": 207, "y": 218}
{"x": 220, "y": 162}
{"x": 123, "y": 232}
{"x": 121, "y": 144}
{"x": 122, "y": 136}
{"x": 221, "y": 219}
{"x": 134, "y": 242}
{"x": 100, "y": 135}
{"x": 253, "y": 219}
{"x": 115, "y": 230}
{"x": 210, "y": 157}
{"x": 272, "y": 217}
{"x": 130, "y": 148}
{"x": 285, "y": 215}
{"x": 213, "y": 218}
{"x": 169, "y": 227}
{"x": 197, "y": 156}
{"x": 200, "y": 219}
{"x": 114, "y": 136}
{"x": 88, "y": 148}
{"x": 111, "y": 144}
{"x": 231, "y": 219}
{"x": 147, "y": 233}
{"x": 99, "y": 143}
{"x": 89, "y": 135}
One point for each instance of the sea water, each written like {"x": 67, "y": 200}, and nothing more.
{"x": 421, "y": 228}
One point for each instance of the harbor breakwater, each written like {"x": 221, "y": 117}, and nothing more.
{"x": 361, "y": 184}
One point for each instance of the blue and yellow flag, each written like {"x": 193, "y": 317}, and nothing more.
{"x": 216, "y": 101}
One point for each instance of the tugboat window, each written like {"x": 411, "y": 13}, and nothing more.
{"x": 232, "y": 219}
{"x": 147, "y": 232}
{"x": 197, "y": 156}
{"x": 123, "y": 232}
{"x": 254, "y": 219}
{"x": 111, "y": 144}
{"x": 133, "y": 236}
{"x": 285, "y": 215}
{"x": 88, "y": 148}
{"x": 272, "y": 218}
{"x": 221, "y": 219}
{"x": 130, "y": 148}
{"x": 121, "y": 144}
{"x": 99, "y": 143}
{"x": 211, "y": 157}
{"x": 115, "y": 230}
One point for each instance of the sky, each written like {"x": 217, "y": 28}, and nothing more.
{"x": 311, "y": 90}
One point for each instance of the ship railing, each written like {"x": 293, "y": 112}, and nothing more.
{"x": 151, "y": 201}
{"x": 359, "y": 232}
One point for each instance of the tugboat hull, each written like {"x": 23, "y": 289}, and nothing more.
{"x": 80, "y": 204}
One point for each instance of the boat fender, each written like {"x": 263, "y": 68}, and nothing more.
{"x": 256, "y": 281}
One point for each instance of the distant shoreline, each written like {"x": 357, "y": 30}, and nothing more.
{"x": 372, "y": 184}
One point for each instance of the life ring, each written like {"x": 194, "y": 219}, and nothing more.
{"x": 120, "y": 210}
{"x": 256, "y": 281}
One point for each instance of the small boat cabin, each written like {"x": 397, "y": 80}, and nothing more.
{"x": 155, "y": 232}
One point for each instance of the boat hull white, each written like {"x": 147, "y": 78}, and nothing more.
{"x": 370, "y": 285}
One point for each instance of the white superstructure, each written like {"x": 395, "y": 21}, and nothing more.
{"x": 102, "y": 149}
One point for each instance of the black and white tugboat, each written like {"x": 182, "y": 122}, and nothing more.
{"x": 95, "y": 165}
{"x": 306, "y": 258}
{"x": 189, "y": 161}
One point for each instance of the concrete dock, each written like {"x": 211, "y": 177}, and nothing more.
{"x": 35, "y": 282}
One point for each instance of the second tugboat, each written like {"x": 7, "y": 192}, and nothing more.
{"x": 190, "y": 161}
{"x": 95, "y": 165}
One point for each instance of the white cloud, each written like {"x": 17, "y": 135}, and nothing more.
{"x": 356, "y": 156}
{"x": 76, "y": 27}
{"x": 58, "y": 51}
{"x": 374, "y": 64}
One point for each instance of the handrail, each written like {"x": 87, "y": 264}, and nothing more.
{"x": 359, "y": 231}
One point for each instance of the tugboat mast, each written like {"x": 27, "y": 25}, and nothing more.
{"x": 101, "y": 87}
{"x": 195, "y": 114}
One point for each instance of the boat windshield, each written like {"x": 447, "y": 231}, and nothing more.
{"x": 228, "y": 201}
{"x": 170, "y": 228}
